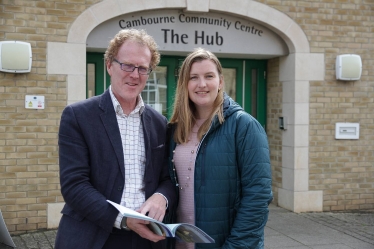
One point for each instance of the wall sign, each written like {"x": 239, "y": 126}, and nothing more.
{"x": 177, "y": 32}
{"x": 34, "y": 102}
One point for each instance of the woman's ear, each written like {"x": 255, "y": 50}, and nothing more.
{"x": 221, "y": 82}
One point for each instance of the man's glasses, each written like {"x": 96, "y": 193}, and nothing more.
{"x": 131, "y": 68}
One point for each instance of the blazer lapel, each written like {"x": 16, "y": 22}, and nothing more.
{"x": 108, "y": 117}
{"x": 146, "y": 122}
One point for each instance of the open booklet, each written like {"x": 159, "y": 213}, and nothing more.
{"x": 183, "y": 231}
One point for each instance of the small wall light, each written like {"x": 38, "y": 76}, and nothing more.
{"x": 348, "y": 67}
{"x": 15, "y": 57}
{"x": 282, "y": 123}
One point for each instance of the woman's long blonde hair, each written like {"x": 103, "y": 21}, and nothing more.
{"x": 184, "y": 113}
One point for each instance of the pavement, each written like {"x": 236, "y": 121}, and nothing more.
{"x": 284, "y": 230}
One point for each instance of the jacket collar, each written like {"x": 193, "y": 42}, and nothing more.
{"x": 109, "y": 120}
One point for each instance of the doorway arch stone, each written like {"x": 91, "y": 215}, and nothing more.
{"x": 295, "y": 71}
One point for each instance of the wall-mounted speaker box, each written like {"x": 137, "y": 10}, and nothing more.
{"x": 15, "y": 57}
{"x": 348, "y": 67}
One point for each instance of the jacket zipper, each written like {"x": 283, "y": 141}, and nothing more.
{"x": 197, "y": 153}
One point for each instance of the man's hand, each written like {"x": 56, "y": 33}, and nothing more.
{"x": 141, "y": 228}
{"x": 154, "y": 207}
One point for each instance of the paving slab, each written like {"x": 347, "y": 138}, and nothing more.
{"x": 284, "y": 230}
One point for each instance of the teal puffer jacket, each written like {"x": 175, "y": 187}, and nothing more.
{"x": 232, "y": 180}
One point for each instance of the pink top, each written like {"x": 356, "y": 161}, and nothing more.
{"x": 184, "y": 160}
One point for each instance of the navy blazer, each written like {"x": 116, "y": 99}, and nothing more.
{"x": 92, "y": 169}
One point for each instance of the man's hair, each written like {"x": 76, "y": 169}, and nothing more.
{"x": 136, "y": 35}
{"x": 184, "y": 113}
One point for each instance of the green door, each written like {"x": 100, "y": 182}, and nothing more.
{"x": 97, "y": 79}
{"x": 245, "y": 82}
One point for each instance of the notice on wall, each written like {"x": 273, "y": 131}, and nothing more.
{"x": 34, "y": 102}
{"x": 178, "y": 32}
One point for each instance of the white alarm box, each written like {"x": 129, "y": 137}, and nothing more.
{"x": 15, "y": 57}
{"x": 347, "y": 131}
{"x": 348, "y": 67}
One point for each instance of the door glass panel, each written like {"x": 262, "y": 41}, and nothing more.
{"x": 91, "y": 80}
{"x": 229, "y": 76}
{"x": 155, "y": 91}
{"x": 254, "y": 84}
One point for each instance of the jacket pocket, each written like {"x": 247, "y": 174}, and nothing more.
{"x": 71, "y": 213}
{"x": 159, "y": 147}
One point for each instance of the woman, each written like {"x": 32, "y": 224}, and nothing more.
{"x": 219, "y": 159}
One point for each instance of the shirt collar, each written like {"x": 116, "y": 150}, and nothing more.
{"x": 139, "y": 108}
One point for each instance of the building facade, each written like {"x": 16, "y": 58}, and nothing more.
{"x": 292, "y": 44}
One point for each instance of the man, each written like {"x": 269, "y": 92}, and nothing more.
{"x": 112, "y": 147}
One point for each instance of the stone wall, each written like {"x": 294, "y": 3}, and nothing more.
{"x": 343, "y": 169}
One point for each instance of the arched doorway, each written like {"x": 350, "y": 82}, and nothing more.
{"x": 295, "y": 71}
